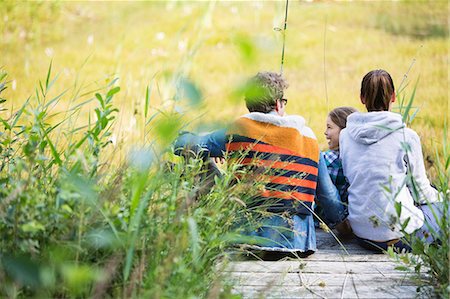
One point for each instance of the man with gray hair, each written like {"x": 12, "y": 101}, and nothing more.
{"x": 287, "y": 151}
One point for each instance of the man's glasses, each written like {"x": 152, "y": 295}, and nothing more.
{"x": 284, "y": 101}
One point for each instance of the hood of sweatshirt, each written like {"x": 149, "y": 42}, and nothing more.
{"x": 368, "y": 128}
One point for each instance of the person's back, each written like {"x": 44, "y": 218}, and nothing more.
{"x": 288, "y": 152}
{"x": 373, "y": 153}
{"x": 383, "y": 161}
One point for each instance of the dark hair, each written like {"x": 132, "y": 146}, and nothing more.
{"x": 263, "y": 91}
{"x": 377, "y": 89}
{"x": 339, "y": 115}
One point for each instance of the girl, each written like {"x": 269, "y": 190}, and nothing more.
{"x": 379, "y": 156}
{"x": 334, "y": 216}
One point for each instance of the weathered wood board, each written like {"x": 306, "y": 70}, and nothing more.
{"x": 331, "y": 272}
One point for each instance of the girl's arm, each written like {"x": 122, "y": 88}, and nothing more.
{"x": 419, "y": 183}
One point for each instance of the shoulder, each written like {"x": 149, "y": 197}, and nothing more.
{"x": 330, "y": 156}
{"x": 411, "y": 136}
{"x": 290, "y": 121}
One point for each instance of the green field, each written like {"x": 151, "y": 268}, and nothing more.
{"x": 329, "y": 47}
{"x": 92, "y": 94}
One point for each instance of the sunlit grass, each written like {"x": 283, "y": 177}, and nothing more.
{"x": 137, "y": 41}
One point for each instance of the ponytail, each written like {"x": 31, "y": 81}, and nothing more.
{"x": 377, "y": 89}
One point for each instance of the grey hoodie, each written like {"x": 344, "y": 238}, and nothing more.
{"x": 377, "y": 152}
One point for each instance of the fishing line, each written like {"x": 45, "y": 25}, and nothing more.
{"x": 405, "y": 76}
{"x": 325, "y": 62}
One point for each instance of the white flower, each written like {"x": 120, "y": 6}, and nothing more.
{"x": 90, "y": 39}
{"x": 49, "y": 52}
{"x": 182, "y": 44}
{"x": 160, "y": 35}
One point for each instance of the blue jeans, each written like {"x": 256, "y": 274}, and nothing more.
{"x": 330, "y": 209}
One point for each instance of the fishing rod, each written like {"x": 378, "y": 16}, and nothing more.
{"x": 284, "y": 35}
{"x": 325, "y": 61}
{"x": 405, "y": 76}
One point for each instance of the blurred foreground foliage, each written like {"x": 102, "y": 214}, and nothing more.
{"x": 75, "y": 225}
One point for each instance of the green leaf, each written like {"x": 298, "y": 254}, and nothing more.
{"x": 79, "y": 277}
{"x": 402, "y": 268}
{"x": 48, "y": 76}
{"x": 32, "y": 227}
{"x": 195, "y": 240}
{"x": 113, "y": 91}
{"x": 148, "y": 93}
{"x": 405, "y": 117}
{"x": 190, "y": 91}
{"x": 53, "y": 150}
{"x": 398, "y": 208}
{"x": 246, "y": 47}
{"x": 22, "y": 269}
{"x": 55, "y": 99}
{"x": 100, "y": 99}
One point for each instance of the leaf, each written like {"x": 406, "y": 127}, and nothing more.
{"x": 102, "y": 239}
{"x": 79, "y": 277}
{"x": 402, "y": 268}
{"x": 55, "y": 99}
{"x": 48, "y": 76}
{"x": 398, "y": 208}
{"x": 22, "y": 269}
{"x": 32, "y": 227}
{"x": 189, "y": 91}
{"x": 406, "y": 146}
{"x": 100, "y": 99}
{"x": 19, "y": 113}
{"x": 246, "y": 48}
{"x": 405, "y": 116}
{"x": 53, "y": 150}
{"x": 148, "y": 93}
{"x": 3, "y": 75}
{"x": 195, "y": 244}
{"x": 113, "y": 91}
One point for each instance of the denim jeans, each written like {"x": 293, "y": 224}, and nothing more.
{"x": 330, "y": 210}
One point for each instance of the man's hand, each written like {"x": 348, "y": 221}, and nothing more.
{"x": 219, "y": 160}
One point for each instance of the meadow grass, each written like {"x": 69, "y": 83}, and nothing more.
{"x": 84, "y": 142}
{"x": 143, "y": 44}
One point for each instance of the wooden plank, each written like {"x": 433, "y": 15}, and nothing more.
{"x": 327, "y": 292}
{"x": 318, "y": 279}
{"x": 335, "y": 256}
{"x": 324, "y": 256}
{"x": 329, "y": 273}
{"x": 311, "y": 267}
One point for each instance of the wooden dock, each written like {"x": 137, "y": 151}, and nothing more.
{"x": 329, "y": 273}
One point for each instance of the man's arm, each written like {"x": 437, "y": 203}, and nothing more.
{"x": 211, "y": 145}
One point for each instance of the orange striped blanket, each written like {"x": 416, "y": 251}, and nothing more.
{"x": 287, "y": 149}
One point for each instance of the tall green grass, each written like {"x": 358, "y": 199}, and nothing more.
{"x": 72, "y": 226}
{"x": 428, "y": 261}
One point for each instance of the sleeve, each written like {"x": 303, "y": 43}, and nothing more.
{"x": 211, "y": 144}
{"x": 419, "y": 183}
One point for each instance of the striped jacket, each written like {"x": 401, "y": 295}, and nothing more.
{"x": 287, "y": 149}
